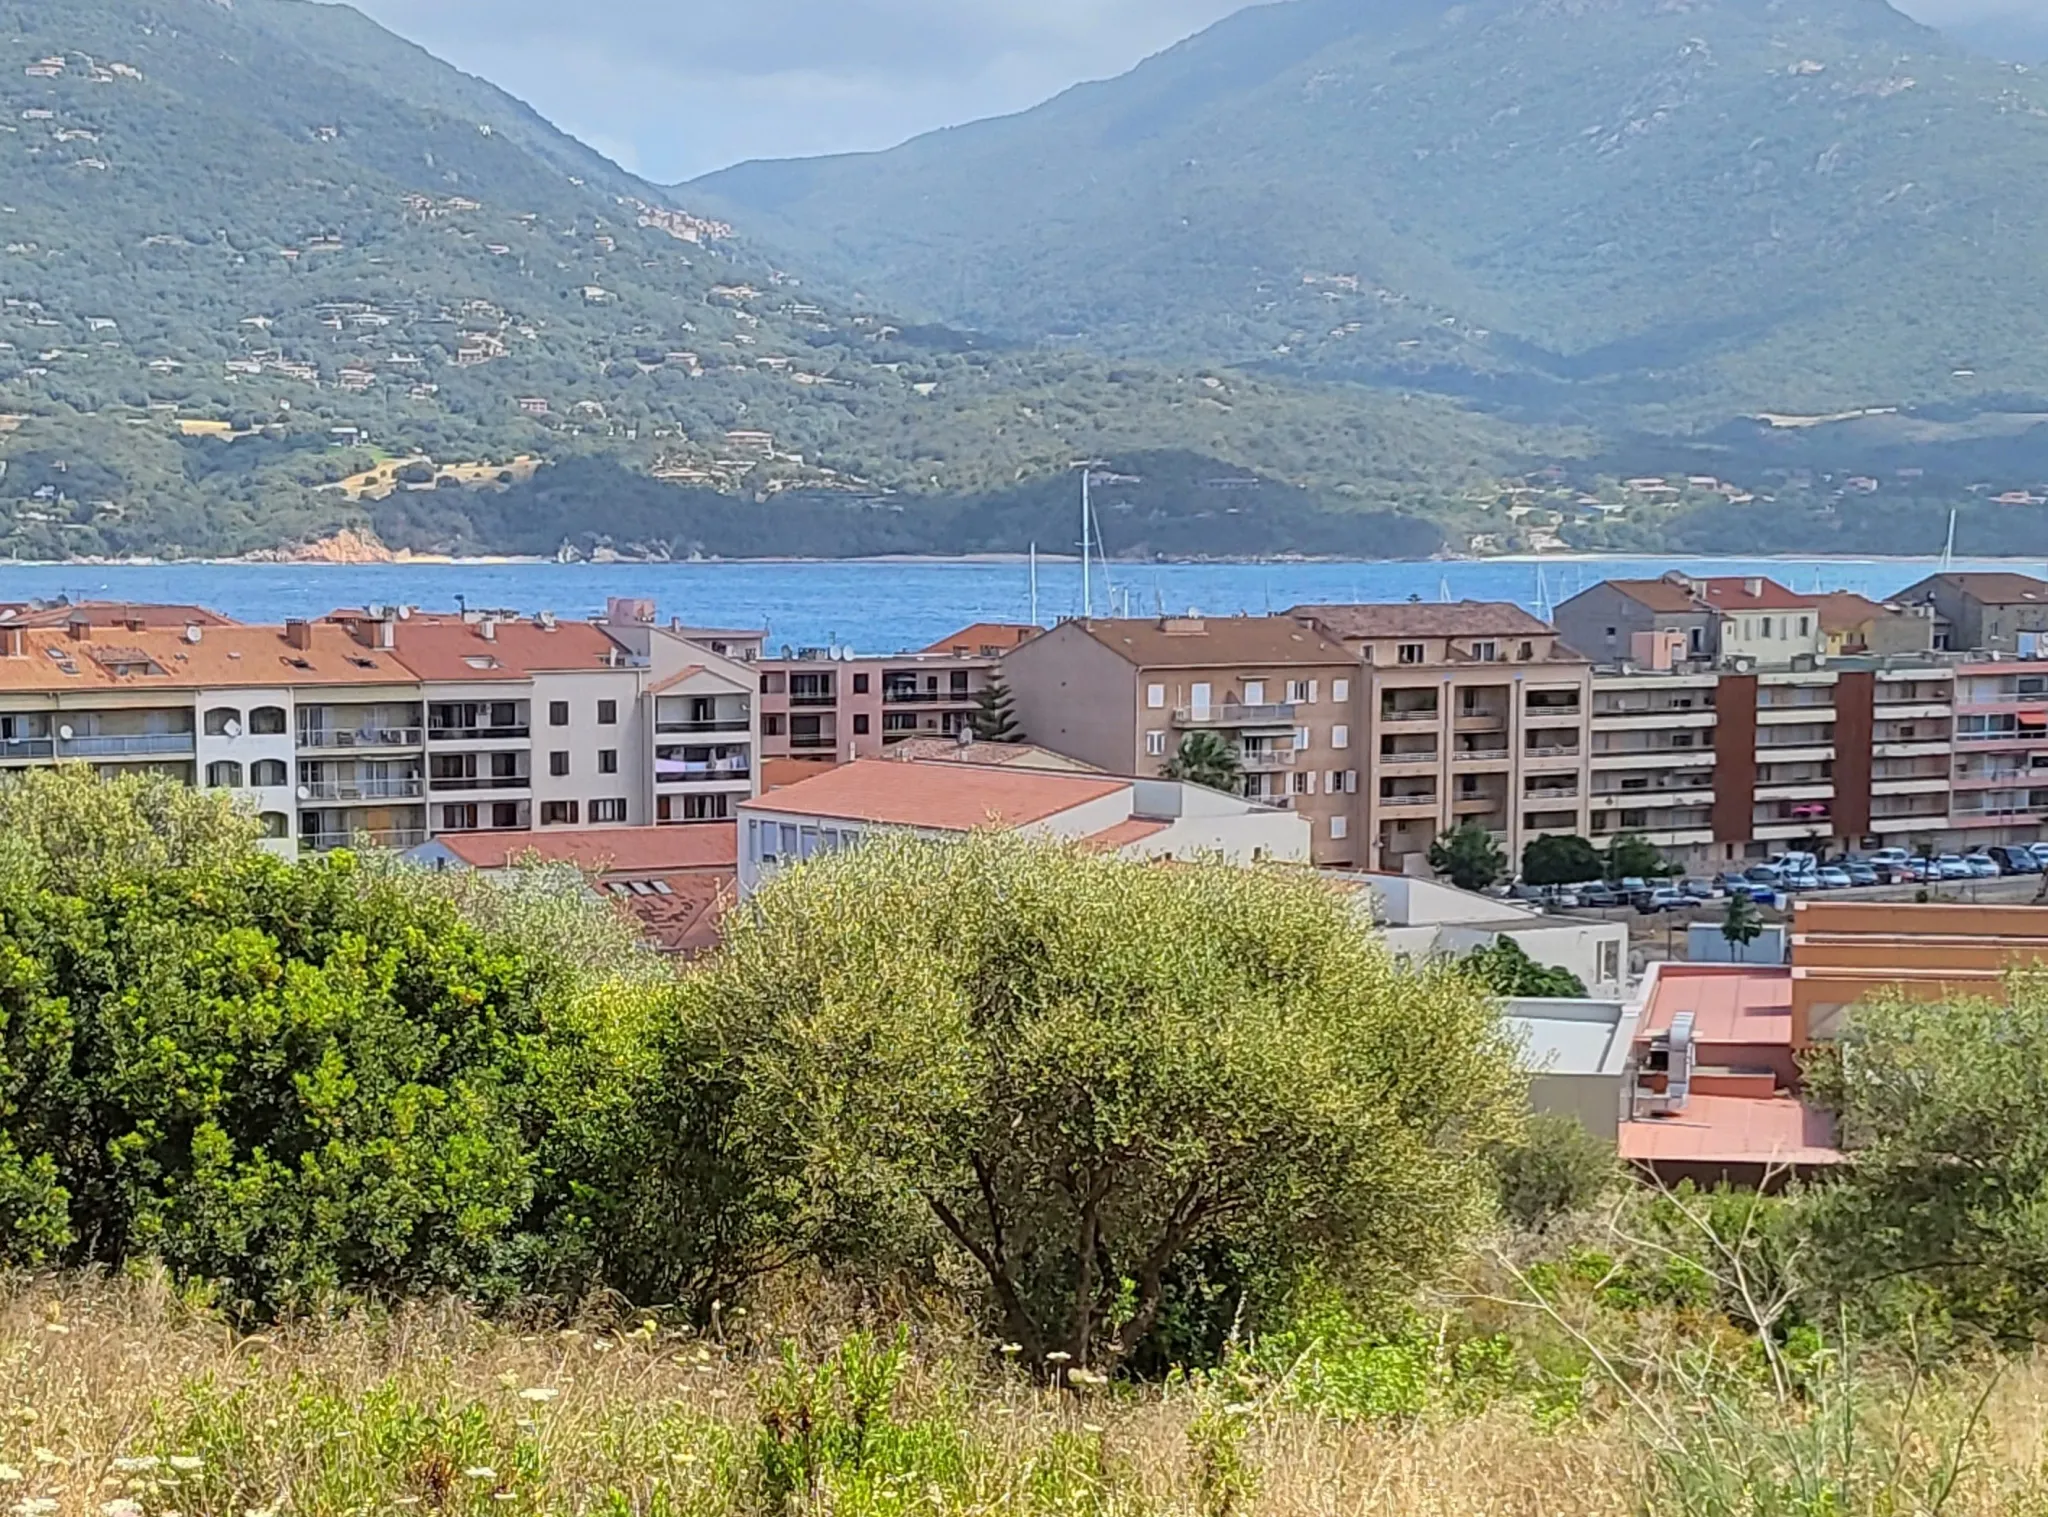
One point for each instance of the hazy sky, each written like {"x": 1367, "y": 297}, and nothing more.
{"x": 674, "y": 88}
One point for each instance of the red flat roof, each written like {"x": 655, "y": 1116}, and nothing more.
{"x": 1733, "y": 1130}
{"x": 1730, "y": 1003}
{"x": 613, "y": 850}
{"x": 939, "y": 796}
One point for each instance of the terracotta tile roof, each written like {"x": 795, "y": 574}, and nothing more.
{"x": 1845, "y": 611}
{"x": 1994, "y": 588}
{"x": 779, "y": 773}
{"x": 226, "y": 657}
{"x": 944, "y": 750}
{"x": 941, "y": 797}
{"x": 1465, "y": 618}
{"x": 985, "y": 637}
{"x": 1124, "y": 833}
{"x": 679, "y": 913}
{"x": 453, "y": 651}
{"x": 604, "y": 849}
{"x": 109, "y": 613}
{"x": 1175, "y": 642}
{"x": 1732, "y": 595}
{"x": 1663, "y": 595}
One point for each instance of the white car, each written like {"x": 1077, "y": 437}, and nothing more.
{"x": 1982, "y": 866}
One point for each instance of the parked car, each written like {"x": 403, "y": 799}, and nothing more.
{"x": 1763, "y": 874}
{"x": 1834, "y": 877}
{"x": 2040, "y": 853}
{"x": 1950, "y": 866}
{"x": 1665, "y": 898}
{"x": 1894, "y": 858}
{"x": 1564, "y": 897}
{"x": 1742, "y": 885}
{"x": 1598, "y": 896}
{"x": 1807, "y": 881}
{"x": 1861, "y": 873}
{"x": 2014, "y": 860}
{"x": 1698, "y": 890}
{"x": 1981, "y": 866}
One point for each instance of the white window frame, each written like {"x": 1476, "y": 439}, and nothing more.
{"x": 1340, "y": 689}
{"x": 1340, "y": 736}
{"x": 1155, "y": 744}
{"x": 1155, "y": 697}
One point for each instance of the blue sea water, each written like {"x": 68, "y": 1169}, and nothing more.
{"x": 886, "y": 606}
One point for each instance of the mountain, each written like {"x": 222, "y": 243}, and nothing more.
{"x": 267, "y": 270}
{"x": 1642, "y": 213}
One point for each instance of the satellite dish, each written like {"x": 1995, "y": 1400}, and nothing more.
{"x": 65, "y": 733}
{"x": 305, "y": 792}
{"x": 192, "y": 633}
{"x": 231, "y": 727}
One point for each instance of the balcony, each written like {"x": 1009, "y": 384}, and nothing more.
{"x": 1409, "y": 715}
{"x": 1768, "y": 716}
{"x": 387, "y": 837}
{"x": 715, "y": 724}
{"x": 444, "y": 783}
{"x": 1550, "y": 754}
{"x": 21, "y": 749}
{"x": 125, "y": 745}
{"x": 813, "y": 698}
{"x": 1427, "y": 760}
{"x": 1542, "y": 797}
{"x": 814, "y": 743}
{"x": 701, "y": 771}
{"x": 1652, "y": 758}
{"x": 1653, "y": 721}
{"x": 317, "y": 739}
{"x": 1495, "y": 754}
{"x": 1408, "y": 802}
{"x": 1257, "y": 760}
{"x": 479, "y": 734}
{"x": 926, "y": 697}
{"x": 1480, "y": 721}
{"x": 1228, "y": 715}
{"x": 363, "y": 790}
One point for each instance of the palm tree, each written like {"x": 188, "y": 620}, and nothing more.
{"x": 1206, "y": 758}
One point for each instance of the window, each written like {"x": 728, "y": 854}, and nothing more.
{"x": 1340, "y": 828}
{"x": 1351, "y": 782}
{"x": 1340, "y": 737}
{"x": 771, "y": 726}
{"x": 1297, "y": 782}
{"x": 1198, "y": 699}
{"x": 860, "y": 684}
{"x": 608, "y": 811}
{"x": 1526, "y": 652}
{"x": 267, "y": 721}
{"x": 275, "y": 824}
{"x": 558, "y": 713}
{"x": 860, "y": 724}
{"x": 1155, "y": 696}
{"x": 607, "y": 761}
{"x": 558, "y": 813}
{"x": 707, "y": 808}
{"x": 505, "y": 815}
{"x": 1803, "y": 625}
{"x": 1255, "y": 692}
{"x": 459, "y": 818}
{"x": 1610, "y": 962}
{"x": 607, "y": 713}
{"x": 225, "y": 775}
{"x": 269, "y": 772}
{"x": 1301, "y": 739}
{"x": 1486, "y": 652}
{"x": 1297, "y": 692}
{"x": 221, "y": 719}
{"x": 1155, "y": 743}
{"x": 1409, "y": 653}
{"x": 1340, "y": 689}
{"x": 558, "y": 764}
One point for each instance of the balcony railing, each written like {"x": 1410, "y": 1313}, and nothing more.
{"x": 482, "y": 782}
{"x": 926, "y": 697}
{"x": 1551, "y": 750}
{"x": 1230, "y": 715}
{"x": 682, "y": 771}
{"x": 18, "y": 748}
{"x": 318, "y": 738}
{"x": 1267, "y": 758}
{"x": 715, "y": 724}
{"x": 386, "y": 837}
{"x": 120, "y": 745}
{"x": 1408, "y": 802}
{"x": 363, "y": 790}
{"x": 477, "y": 734}
{"x": 812, "y": 744}
{"x": 813, "y": 698}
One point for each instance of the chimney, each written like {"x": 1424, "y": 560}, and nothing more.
{"x": 79, "y": 628}
{"x": 298, "y": 632}
{"x": 13, "y": 642}
{"x": 135, "y": 621}
{"x": 487, "y": 630}
{"x": 1753, "y": 587}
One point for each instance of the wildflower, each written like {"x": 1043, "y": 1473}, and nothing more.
{"x": 1058, "y": 1356}
{"x": 135, "y": 1465}
{"x": 1239, "y": 1409}
{"x": 539, "y": 1393}
{"x": 187, "y": 1462}
{"x": 481, "y": 1472}
{"x": 1086, "y": 1377}
{"x": 1092, "y": 1427}
{"x": 504, "y": 1495}
{"x": 9, "y": 1475}
{"x": 35, "y": 1506}
{"x": 124, "y": 1507}
{"x": 1013, "y": 1349}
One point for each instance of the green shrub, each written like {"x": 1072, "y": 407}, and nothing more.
{"x": 1557, "y": 1168}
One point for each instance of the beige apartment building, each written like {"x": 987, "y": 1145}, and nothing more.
{"x": 1470, "y": 712}
{"x": 1122, "y": 694}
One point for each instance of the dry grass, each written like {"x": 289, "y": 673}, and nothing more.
{"x": 118, "y": 1400}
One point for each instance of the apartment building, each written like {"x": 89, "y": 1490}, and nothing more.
{"x": 1132, "y": 818}
{"x": 1983, "y": 613}
{"x": 1123, "y": 694}
{"x": 831, "y": 705}
{"x": 1614, "y": 621}
{"x": 1998, "y": 789}
{"x": 1853, "y": 624}
{"x": 232, "y": 708}
{"x": 1470, "y": 712}
{"x": 699, "y": 734}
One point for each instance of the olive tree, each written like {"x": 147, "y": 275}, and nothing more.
{"x": 1075, "y": 1074}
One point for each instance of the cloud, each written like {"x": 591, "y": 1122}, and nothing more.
{"x": 679, "y": 88}
{"x": 675, "y": 88}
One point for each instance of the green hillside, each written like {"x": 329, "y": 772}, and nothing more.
{"x": 1668, "y": 213}
{"x": 279, "y": 222}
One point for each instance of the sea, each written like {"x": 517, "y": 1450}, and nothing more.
{"x": 886, "y": 606}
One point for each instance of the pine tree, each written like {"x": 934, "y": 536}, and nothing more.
{"x": 995, "y": 715}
